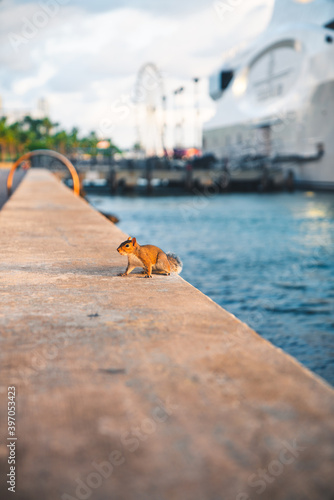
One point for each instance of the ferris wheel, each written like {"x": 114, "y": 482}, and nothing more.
{"x": 150, "y": 109}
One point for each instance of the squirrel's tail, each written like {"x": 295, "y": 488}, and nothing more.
{"x": 174, "y": 262}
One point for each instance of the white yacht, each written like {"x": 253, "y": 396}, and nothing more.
{"x": 275, "y": 101}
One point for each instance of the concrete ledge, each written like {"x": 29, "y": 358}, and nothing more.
{"x": 134, "y": 389}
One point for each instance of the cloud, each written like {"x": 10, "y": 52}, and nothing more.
{"x": 24, "y": 85}
{"x": 162, "y": 7}
{"x": 86, "y": 55}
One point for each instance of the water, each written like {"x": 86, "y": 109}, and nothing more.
{"x": 268, "y": 259}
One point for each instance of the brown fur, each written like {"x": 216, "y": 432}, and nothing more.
{"x": 149, "y": 257}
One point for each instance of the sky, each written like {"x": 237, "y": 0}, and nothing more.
{"x": 83, "y": 57}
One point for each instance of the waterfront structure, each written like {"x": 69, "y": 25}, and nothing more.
{"x": 275, "y": 99}
{"x": 140, "y": 388}
{"x": 150, "y": 110}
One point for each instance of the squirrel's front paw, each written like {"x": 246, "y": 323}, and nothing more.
{"x": 148, "y": 276}
{"x": 121, "y": 274}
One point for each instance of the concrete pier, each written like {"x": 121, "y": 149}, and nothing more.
{"x": 136, "y": 389}
{"x": 186, "y": 179}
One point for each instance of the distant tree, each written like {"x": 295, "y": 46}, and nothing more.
{"x": 3, "y": 138}
{"x": 30, "y": 133}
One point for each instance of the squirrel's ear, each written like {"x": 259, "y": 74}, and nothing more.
{"x": 134, "y": 241}
{"x": 129, "y": 238}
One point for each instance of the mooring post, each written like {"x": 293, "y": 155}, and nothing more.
{"x": 149, "y": 175}
{"x": 189, "y": 177}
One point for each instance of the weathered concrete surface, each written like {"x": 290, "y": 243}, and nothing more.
{"x": 198, "y": 406}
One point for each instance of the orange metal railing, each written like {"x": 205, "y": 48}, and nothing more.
{"x": 47, "y": 152}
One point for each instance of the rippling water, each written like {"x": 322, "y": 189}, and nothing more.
{"x": 268, "y": 259}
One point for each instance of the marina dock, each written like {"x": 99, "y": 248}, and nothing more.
{"x": 136, "y": 389}
{"x": 118, "y": 180}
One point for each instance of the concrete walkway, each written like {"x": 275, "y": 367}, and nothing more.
{"x": 135, "y": 389}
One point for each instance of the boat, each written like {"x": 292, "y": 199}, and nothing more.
{"x": 274, "y": 121}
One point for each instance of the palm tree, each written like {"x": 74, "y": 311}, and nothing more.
{"x": 3, "y": 137}
{"x": 30, "y": 133}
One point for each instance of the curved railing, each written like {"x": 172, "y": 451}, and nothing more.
{"x": 47, "y": 152}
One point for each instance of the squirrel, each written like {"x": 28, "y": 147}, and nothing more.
{"x": 149, "y": 258}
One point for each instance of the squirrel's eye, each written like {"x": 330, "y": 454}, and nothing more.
{"x": 127, "y": 246}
